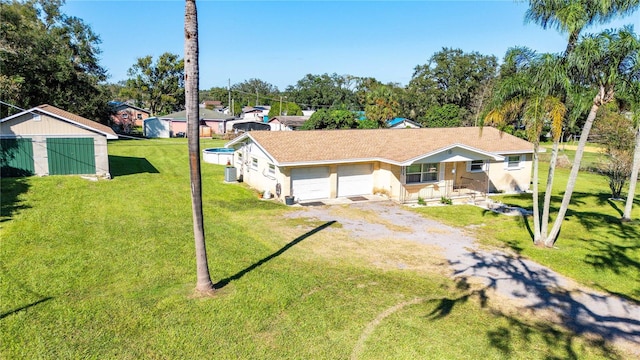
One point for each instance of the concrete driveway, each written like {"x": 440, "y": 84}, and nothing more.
{"x": 527, "y": 284}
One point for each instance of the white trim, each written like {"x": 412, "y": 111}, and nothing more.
{"x": 521, "y": 159}
{"x": 482, "y": 169}
{"x": 491, "y": 155}
{"x": 439, "y": 173}
{"x": 36, "y": 110}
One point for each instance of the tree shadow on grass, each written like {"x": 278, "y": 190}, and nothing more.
{"x": 603, "y": 317}
{"x": 12, "y": 188}
{"x": 127, "y": 165}
{"x": 24, "y": 307}
{"x": 224, "y": 282}
{"x": 617, "y": 258}
{"x": 24, "y": 289}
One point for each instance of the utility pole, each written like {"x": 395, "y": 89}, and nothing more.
{"x": 256, "y": 96}
{"x": 229, "y": 103}
{"x": 280, "y": 105}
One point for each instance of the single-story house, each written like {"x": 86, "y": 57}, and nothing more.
{"x": 211, "y": 122}
{"x": 124, "y": 115}
{"x": 46, "y": 140}
{"x": 156, "y": 128}
{"x": 287, "y": 123}
{"x": 428, "y": 163}
{"x": 402, "y": 123}
{"x": 255, "y": 113}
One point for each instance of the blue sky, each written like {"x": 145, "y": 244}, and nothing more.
{"x": 282, "y": 41}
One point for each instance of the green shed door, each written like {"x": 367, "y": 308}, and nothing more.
{"x": 16, "y": 157}
{"x": 71, "y": 156}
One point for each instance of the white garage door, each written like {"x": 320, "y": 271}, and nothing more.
{"x": 310, "y": 183}
{"x": 355, "y": 180}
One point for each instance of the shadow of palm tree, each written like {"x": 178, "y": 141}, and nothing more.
{"x": 224, "y": 282}
{"x": 24, "y": 307}
{"x": 23, "y": 289}
{"x": 538, "y": 288}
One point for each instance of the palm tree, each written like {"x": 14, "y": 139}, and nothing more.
{"x": 626, "y": 216}
{"x": 605, "y": 62}
{"x": 573, "y": 16}
{"x": 191, "y": 81}
{"x": 525, "y": 93}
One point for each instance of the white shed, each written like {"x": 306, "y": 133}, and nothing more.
{"x": 46, "y": 140}
{"x": 157, "y": 128}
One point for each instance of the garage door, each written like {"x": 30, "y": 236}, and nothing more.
{"x": 310, "y": 183}
{"x": 71, "y": 156}
{"x": 16, "y": 157}
{"x": 355, "y": 180}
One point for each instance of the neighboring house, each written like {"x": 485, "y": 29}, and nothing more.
{"x": 211, "y": 122}
{"x": 156, "y": 128}
{"x": 255, "y": 113}
{"x": 406, "y": 165}
{"x": 46, "y": 140}
{"x": 307, "y": 113}
{"x": 402, "y": 123}
{"x": 287, "y": 123}
{"x": 125, "y": 116}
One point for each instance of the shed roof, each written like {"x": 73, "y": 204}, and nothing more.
{"x": 390, "y": 145}
{"x": 69, "y": 117}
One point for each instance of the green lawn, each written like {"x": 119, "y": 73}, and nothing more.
{"x": 105, "y": 270}
{"x": 594, "y": 247}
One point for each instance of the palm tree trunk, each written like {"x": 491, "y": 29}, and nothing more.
{"x": 634, "y": 178}
{"x": 536, "y": 210}
{"x": 546, "y": 206}
{"x": 573, "y": 175}
{"x": 192, "y": 79}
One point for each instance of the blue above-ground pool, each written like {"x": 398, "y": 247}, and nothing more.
{"x": 220, "y": 156}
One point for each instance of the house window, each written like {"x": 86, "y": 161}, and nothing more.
{"x": 513, "y": 162}
{"x": 239, "y": 157}
{"x": 419, "y": 173}
{"x": 476, "y": 166}
{"x": 139, "y": 116}
{"x": 125, "y": 116}
{"x": 272, "y": 169}
{"x": 254, "y": 163}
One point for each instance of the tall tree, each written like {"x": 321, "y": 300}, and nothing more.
{"x": 526, "y": 95}
{"x": 192, "y": 82}
{"x": 47, "y": 57}
{"x": 158, "y": 86}
{"x": 286, "y": 108}
{"x": 382, "y": 104}
{"x": 254, "y": 92}
{"x": 323, "y": 92}
{"x": 573, "y": 16}
{"x": 604, "y": 62}
{"x": 616, "y": 134}
{"x": 331, "y": 119}
{"x": 634, "y": 101}
{"x": 452, "y": 77}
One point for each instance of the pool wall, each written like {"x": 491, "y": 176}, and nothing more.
{"x": 220, "y": 156}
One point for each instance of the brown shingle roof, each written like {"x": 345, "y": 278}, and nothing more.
{"x": 395, "y": 145}
{"x": 76, "y": 118}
